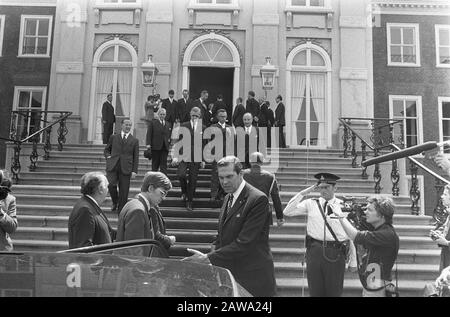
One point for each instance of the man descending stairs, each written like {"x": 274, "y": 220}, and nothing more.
{"x": 46, "y": 197}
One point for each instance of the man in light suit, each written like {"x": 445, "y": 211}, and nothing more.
{"x": 122, "y": 159}
{"x": 108, "y": 118}
{"x": 242, "y": 243}
{"x": 158, "y": 141}
{"x": 88, "y": 225}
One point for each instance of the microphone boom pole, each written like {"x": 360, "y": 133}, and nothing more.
{"x": 413, "y": 150}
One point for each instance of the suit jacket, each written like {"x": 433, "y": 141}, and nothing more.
{"x": 242, "y": 243}
{"x": 267, "y": 183}
{"x": 239, "y": 112}
{"x": 186, "y": 127}
{"x": 280, "y": 120}
{"x": 250, "y": 139}
{"x": 266, "y": 118}
{"x": 108, "y": 113}
{"x": 170, "y": 109}
{"x": 125, "y": 153}
{"x": 88, "y": 225}
{"x": 158, "y": 136}
{"x": 206, "y": 117}
{"x": 252, "y": 106}
{"x": 8, "y": 222}
{"x": 137, "y": 221}
{"x": 184, "y": 109}
{"x": 227, "y": 138}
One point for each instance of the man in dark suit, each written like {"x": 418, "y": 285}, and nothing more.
{"x": 280, "y": 120}
{"x": 252, "y": 106}
{"x": 220, "y": 104}
{"x": 242, "y": 243}
{"x": 185, "y": 105}
{"x": 221, "y": 129}
{"x": 265, "y": 182}
{"x": 122, "y": 159}
{"x": 108, "y": 118}
{"x": 203, "y": 106}
{"x": 188, "y": 154}
{"x": 266, "y": 121}
{"x": 247, "y": 139}
{"x": 158, "y": 141}
{"x": 171, "y": 106}
{"x": 238, "y": 113}
{"x": 87, "y": 224}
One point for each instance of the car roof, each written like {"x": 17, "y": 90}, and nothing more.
{"x": 78, "y": 274}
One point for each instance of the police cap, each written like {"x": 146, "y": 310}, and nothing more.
{"x": 327, "y": 178}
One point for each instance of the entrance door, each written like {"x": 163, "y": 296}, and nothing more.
{"x": 213, "y": 79}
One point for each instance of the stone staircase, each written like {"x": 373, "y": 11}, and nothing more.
{"x": 45, "y": 198}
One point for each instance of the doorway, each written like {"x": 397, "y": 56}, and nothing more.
{"x": 215, "y": 80}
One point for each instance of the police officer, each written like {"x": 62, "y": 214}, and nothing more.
{"x": 265, "y": 182}
{"x": 326, "y": 240}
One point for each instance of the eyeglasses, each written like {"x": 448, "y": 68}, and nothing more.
{"x": 163, "y": 193}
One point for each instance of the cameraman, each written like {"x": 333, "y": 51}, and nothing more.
{"x": 378, "y": 247}
{"x": 8, "y": 219}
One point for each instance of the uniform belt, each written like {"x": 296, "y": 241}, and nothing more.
{"x": 333, "y": 244}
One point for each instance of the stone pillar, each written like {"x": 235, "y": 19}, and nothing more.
{"x": 265, "y": 22}
{"x": 355, "y": 59}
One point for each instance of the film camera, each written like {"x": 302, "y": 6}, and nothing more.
{"x": 356, "y": 206}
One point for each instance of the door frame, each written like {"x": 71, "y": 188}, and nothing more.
{"x": 236, "y": 63}
{"x": 308, "y": 69}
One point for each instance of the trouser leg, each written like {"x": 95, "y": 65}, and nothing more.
{"x": 314, "y": 261}
{"x": 124, "y": 188}
{"x": 113, "y": 179}
{"x": 193, "y": 174}
{"x": 214, "y": 180}
{"x": 163, "y": 161}
{"x": 181, "y": 173}
{"x": 334, "y": 269}
{"x": 156, "y": 158}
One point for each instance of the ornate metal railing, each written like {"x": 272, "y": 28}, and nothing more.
{"x": 33, "y": 126}
{"x": 439, "y": 212}
{"x": 378, "y": 138}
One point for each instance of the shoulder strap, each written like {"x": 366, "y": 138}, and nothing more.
{"x": 271, "y": 185}
{"x": 326, "y": 222}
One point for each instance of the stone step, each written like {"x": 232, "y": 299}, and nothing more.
{"x": 404, "y": 271}
{"x": 292, "y": 287}
{"x": 297, "y": 241}
{"x": 405, "y": 256}
{"x": 401, "y": 229}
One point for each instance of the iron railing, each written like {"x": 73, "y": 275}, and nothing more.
{"x": 26, "y": 126}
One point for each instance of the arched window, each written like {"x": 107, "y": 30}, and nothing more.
{"x": 114, "y": 71}
{"x": 308, "y": 74}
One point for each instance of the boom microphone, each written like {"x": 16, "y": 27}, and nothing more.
{"x": 413, "y": 150}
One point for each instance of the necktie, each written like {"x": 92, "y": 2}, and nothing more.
{"x": 162, "y": 122}
{"x": 228, "y": 207}
{"x": 325, "y": 210}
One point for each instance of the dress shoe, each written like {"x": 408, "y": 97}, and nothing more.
{"x": 114, "y": 207}
{"x": 189, "y": 206}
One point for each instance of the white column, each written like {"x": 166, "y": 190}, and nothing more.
{"x": 235, "y": 85}
{"x": 92, "y": 114}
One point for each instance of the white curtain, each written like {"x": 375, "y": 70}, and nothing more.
{"x": 317, "y": 111}
{"x": 124, "y": 91}
{"x": 103, "y": 88}
{"x": 298, "y": 84}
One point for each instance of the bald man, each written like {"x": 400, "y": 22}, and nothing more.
{"x": 158, "y": 141}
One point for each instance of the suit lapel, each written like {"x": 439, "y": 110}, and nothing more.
{"x": 238, "y": 204}
{"x": 98, "y": 210}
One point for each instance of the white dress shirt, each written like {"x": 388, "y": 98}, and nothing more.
{"x": 238, "y": 192}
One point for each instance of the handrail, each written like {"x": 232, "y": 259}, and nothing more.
{"x": 356, "y": 134}
{"x": 62, "y": 131}
{"x": 426, "y": 169}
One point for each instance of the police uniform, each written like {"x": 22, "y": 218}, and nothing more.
{"x": 325, "y": 257}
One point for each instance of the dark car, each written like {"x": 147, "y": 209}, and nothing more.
{"x": 112, "y": 270}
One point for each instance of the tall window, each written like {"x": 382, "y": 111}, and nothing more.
{"x": 444, "y": 121}
{"x": 309, "y": 84}
{"x": 2, "y": 31}
{"x": 29, "y": 102}
{"x": 442, "y": 45}
{"x": 409, "y": 110}
{"x": 403, "y": 44}
{"x": 35, "y": 35}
